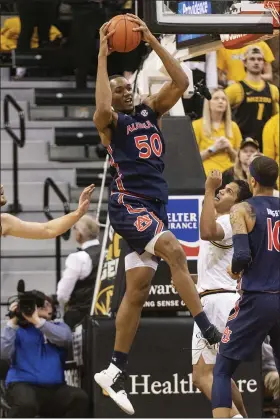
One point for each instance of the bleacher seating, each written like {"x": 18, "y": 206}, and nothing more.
{"x": 63, "y": 148}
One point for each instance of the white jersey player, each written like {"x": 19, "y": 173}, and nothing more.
{"x": 216, "y": 288}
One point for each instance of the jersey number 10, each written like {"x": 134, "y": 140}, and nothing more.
{"x": 148, "y": 145}
{"x": 273, "y": 235}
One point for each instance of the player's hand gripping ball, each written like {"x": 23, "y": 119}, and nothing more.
{"x": 124, "y": 38}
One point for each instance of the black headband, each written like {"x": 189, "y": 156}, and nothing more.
{"x": 262, "y": 181}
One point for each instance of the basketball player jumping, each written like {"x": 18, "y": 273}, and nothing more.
{"x": 216, "y": 288}
{"x": 137, "y": 206}
{"x": 256, "y": 225}
{"x": 13, "y": 226}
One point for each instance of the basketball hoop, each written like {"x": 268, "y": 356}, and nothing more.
{"x": 235, "y": 41}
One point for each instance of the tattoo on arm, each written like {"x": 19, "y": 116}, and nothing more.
{"x": 250, "y": 211}
{"x": 237, "y": 220}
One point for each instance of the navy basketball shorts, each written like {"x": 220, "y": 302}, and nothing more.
{"x": 137, "y": 220}
{"x": 255, "y": 316}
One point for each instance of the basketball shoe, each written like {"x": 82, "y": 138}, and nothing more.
{"x": 112, "y": 381}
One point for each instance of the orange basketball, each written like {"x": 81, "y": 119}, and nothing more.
{"x": 124, "y": 39}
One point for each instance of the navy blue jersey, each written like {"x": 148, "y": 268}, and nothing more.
{"x": 263, "y": 274}
{"x": 136, "y": 150}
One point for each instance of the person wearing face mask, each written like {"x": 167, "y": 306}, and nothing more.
{"x": 37, "y": 347}
{"x": 217, "y": 136}
{"x": 240, "y": 169}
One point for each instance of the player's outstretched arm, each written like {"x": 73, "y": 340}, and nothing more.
{"x": 239, "y": 214}
{"x": 209, "y": 228}
{"x": 13, "y": 226}
{"x": 103, "y": 95}
{"x": 172, "y": 91}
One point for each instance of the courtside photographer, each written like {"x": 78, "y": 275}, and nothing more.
{"x": 37, "y": 347}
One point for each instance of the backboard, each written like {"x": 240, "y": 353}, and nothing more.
{"x": 207, "y": 17}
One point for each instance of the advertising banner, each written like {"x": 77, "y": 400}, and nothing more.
{"x": 160, "y": 383}
{"x": 109, "y": 272}
{"x": 183, "y": 221}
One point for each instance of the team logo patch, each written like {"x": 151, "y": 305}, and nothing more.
{"x": 144, "y": 112}
{"x": 143, "y": 222}
{"x": 226, "y": 335}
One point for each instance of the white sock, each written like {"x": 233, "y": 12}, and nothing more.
{"x": 237, "y": 416}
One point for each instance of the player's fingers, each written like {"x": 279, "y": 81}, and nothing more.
{"x": 104, "y": 26}
{"x": 133, "y": 16}
{"x": 140, "y": 29}
{"x": 109, "y": 34}
{"x": 132, "y": 19}
{"x": 87, "y": 191}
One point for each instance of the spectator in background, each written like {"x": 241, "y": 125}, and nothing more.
{"x": 88, "y": 16}
{"x": 217, "y": 136}
{"x": 231, "y": 67}
{"x": 240, "y": 169}
{"x": 75, "y": 289}
{"x": 253, "y": 99}
{"x": 37, "y": 348}
{"x": 271, "y": 140}
{"x": 34, "y": 13}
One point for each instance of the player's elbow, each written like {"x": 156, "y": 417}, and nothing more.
{"x": 183, "y": 84}
{"x": 205, "y": 235}
{"x": 102, "y": 118}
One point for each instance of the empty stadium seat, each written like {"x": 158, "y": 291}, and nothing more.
{"x": 67, "y": 97}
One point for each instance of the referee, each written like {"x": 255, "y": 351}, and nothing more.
{"x": 75, "y": 288}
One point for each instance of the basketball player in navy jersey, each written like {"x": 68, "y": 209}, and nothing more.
{"x": 137, "y": 205}
{"x": 256, "y": 225}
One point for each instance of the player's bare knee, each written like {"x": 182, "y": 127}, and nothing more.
{"x": 170, "y": 250}
{"x": 139, "y": 295}
{"x": 175, "y": 256}
{"x": 199, "y": 376}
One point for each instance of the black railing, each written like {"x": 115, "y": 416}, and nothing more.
{"x": 50, "y": 184}
{"x": 18, "y": 141}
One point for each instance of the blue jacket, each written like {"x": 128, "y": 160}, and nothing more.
{"x": 37, "y": 354}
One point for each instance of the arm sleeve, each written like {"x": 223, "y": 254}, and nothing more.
{"x": 8, "y": 338}
{"x": 268, "y": 143}
{"x": 57, "y": 333}
{"x": 224, "y": 222}
{"x": 77, "y": 266}
{"x": 237, "y": 137}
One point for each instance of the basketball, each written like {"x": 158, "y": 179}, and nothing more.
{"x": 124, "y": 39}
